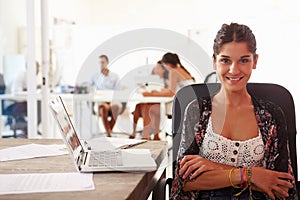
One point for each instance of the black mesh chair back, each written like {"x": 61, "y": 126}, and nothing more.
{"x": 272, "y": 92}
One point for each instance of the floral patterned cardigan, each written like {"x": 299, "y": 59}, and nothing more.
{"x": 271, "y": 122}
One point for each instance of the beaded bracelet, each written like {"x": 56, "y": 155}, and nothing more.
{"x": 242, "y": 177}
{"x": 249, "y": 175}
{"x": 244, "y": 183}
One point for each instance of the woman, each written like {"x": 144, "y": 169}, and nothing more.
{"x": 146, "y": 110}
{"x": 178, "y": 78}
{"x": 233, "y": 144}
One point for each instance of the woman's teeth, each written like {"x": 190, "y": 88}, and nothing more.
{"x": 234, "y": 79}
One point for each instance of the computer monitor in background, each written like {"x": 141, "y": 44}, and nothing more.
{"x": 12, "y": 66}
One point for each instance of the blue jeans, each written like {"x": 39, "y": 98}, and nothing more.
{"x": 228, "y": 194}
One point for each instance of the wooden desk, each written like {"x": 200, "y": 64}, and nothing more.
{"x": 108, "y": 186}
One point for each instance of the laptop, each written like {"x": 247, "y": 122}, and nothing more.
{"x": 89, "y": 160}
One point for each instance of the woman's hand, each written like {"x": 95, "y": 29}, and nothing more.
{"x": 155, "y": 93}
{"x": 147, "y": 94}
{"x": 254, "y": 187}
{"x": 195, "y": 164}
{"x": 280, "y": 195}
{"x": 166, "y": 90}
{"x": 272, "y": 183}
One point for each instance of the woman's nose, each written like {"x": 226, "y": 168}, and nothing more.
{"x": 234, "y": 68}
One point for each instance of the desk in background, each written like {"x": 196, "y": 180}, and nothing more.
{"x": 98, "y": 97}
{"x": 112, "y": 186}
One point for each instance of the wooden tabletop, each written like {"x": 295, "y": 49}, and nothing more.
{"x": 112, "y": 185}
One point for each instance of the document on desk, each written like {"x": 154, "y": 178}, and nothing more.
{"x": 32, "y": 151}
{"x": 51, "y": 182}
{"x": 109, "y": 143}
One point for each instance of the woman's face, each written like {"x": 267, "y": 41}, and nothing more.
{"x": 159, "y": 70}
{"x": 168, "y": 66}
{"x": 234, "y": 65}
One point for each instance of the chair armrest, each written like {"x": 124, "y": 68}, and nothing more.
{"x": 159, "y": 192}
{"x": 298, "y": 188}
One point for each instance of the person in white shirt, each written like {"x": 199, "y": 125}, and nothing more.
{"x": 107, "y": 80}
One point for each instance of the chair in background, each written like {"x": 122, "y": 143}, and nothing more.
{"x": 211, "y": 77}
{"x": 13, "y": 118}
{"x": 272, "y": 92}
{"x": 16, "y": 113}
{"x": 2, "y": 84}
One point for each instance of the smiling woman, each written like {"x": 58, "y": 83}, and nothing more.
{"x": 234, "y": 145}
{"x": 235, "y": 64}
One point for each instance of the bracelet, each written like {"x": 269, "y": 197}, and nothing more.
{"x": 242, "y": 177}
{"x": 245, "y": 179}
{"x": 249, "y": 175}
{"x": 244, "y": 183}
{"x": 230, "y": 179}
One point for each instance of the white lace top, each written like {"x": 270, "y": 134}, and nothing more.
{"x": 220, "y": 149}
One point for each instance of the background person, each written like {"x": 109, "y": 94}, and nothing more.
{"x": 234, "y": 143}
{"x": 178, "y": 77}
{"x": 107, "y": 80}
{"x": 146, "y": 110}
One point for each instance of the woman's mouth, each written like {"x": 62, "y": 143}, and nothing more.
{"x": 234, "y": 78}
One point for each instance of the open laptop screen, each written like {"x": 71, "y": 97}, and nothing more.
{"x": 65, "y": 125}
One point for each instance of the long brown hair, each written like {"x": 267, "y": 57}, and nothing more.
{"x": 173, "y": 59}
{"x": 234, "y": 33}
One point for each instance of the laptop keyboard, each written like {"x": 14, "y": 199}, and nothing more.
{"x": 105, "y": 158}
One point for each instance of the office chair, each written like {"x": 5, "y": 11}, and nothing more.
{"x": 16, "y": 117}
{"x": 2, "y": 84}
{"x": 211, "y": 77}
{"x": 272, "y": 92}
{"x": 16, "y": 120}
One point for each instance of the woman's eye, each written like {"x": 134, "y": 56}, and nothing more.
{"x": 225, "y": 60}
{"x": 244, "y": 60}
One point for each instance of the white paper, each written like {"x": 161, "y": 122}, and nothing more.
{"x": 51, "y": 182}
{"x": 32, "y": 151}
{"x": 109, "y": 143}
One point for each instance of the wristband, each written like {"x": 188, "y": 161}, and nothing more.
{"x": 249, "y": 175}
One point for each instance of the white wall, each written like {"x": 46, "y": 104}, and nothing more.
{"x": 12, "y": 16}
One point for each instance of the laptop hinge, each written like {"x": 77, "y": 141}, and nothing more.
{"x": 85, "y": 157}
{"x": 82, "y": 158}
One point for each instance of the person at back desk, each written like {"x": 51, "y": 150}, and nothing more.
{"x": 149, "y": 111}
{"x": 107, "y": 80}
{"x": 178, "y": 77}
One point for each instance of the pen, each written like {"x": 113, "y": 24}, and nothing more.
{"x": 131, "y": 145}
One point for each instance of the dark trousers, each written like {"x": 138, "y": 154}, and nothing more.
{"x": 228, "y": 194}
